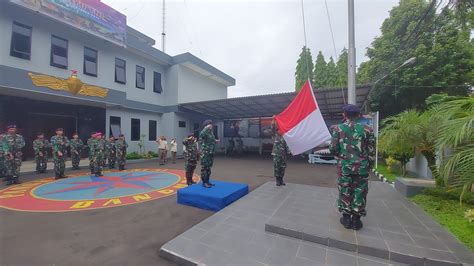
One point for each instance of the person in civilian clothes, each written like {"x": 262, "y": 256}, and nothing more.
{"x": 173, "y": 149}
{"x": 162, "y": 147}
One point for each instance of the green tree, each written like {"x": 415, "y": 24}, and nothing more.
{"x": 304, "y": 68}
{"x": 320, "y": 72}
{"x": 331, "y": 73}
{"x": 342, "y": 69}
{"x": 444, "y": 58}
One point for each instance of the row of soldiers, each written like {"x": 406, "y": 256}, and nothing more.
{"x": 100, "y": 151}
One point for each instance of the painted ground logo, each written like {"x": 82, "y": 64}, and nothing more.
{"x": 85, "y": 192}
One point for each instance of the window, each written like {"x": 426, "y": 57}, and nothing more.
{"x": 135, "y": 129}
{"x": 90, "y": 62}
{"x": 182, "y": 123}
{"x": 115, "y": 126}
{"x": 140, "y": 83}
{"x": 152, "y": 130}
{"x": 157, "y": 82}
{"x": 21, "y": 41}
{"x": 120, "y": 71}
{"x": 58, "y": 52}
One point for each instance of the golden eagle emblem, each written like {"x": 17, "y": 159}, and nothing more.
{"x": 72, "y": 85}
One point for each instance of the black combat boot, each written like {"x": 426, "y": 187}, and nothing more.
{"x": 278, "y": 181}
{"x": 206, "y": 185}
{"x": 356, "y": 222}
{"x": 9, "y": 180}
{"x": 282, "y": 182}
{"x": 57, "y": 176}
{"x": 16, "y": 180}
{"x": 346, "y": 221}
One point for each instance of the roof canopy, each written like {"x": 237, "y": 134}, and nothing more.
{"x": 330, "y": 102}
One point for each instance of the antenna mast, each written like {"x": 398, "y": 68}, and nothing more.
{"x": 163, "y": 34}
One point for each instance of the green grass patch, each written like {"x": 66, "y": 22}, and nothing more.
{"x": 383, "y": 170}
{"x": 450, "y": 214}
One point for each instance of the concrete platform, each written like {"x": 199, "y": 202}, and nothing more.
{"x": 236, "y": 236}
{"x": 394, "y": 229}
{"x": 305, "y": 230}
{"x": 412, "y": 186}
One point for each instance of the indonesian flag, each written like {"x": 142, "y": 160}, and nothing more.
{"x": 301, "y": 124}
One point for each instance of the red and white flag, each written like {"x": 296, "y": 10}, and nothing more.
{"x": 301, "y": 124}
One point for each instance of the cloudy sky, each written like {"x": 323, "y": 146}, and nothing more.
{"x": 256, "y": 42}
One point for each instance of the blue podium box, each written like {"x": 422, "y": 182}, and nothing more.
{"x": 215, "y": 198}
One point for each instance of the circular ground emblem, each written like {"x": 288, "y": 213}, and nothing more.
{"x": 86, "y": 192}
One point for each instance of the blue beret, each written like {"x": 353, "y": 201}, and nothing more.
{"x": 350, "y": 108}
{"x": 207, "y": 122}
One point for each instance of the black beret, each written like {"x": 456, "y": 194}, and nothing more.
{"x": 350, "y": 108}
{"x": 207, "y": 122}
{"x": 11, "y": 126}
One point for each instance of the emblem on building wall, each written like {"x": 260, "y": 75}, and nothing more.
{"x": 72, "y": 85}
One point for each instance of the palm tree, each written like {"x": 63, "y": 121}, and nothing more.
{"x": 456, "y": 136}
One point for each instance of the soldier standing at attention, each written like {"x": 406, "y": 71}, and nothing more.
{"x": 208, "y": 145}
{"x": 60, "y": 144}
{"x": 12, "y": 144}
{"x": 173, "y": 149}
{"x": 121, "y": 148}
{"x": 41, "y": 146}
{"x": 76, "y": 149}
{"x": 191, "y": 157}
{"x": 97, "y": 153}
{"x": 105, "y": 154}
{"x": 280, "y": 152}
{"x": 2, "y": 159}
{"x": 89, "y": 145}
{"x": 162, "y": 147}
{"x": 354, "y": 146}
{"x": 111, "y": 150}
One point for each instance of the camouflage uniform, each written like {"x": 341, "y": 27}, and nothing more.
{"x": 97, "y": 154}
{"x": 121, "y": 149}
{"x": 91, "y": 162}
{"x": 105, "y": 154}
{"x": 60, "y": 144}
{"x": 239, "y": 146}
{"x": 76, "y": 149}
{"x": 41, "y": 146}
{"x": 208, "y": 145}
{"x": 2, "y": 159}
{"x": 191, "y": 156}
{"x": 354, "y": 146}
{"x": 111, "y": 153}
{"x": 12, "y": 145}
{"x": 280, "y": 152}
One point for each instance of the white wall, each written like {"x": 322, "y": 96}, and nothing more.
{"x": 419, "y": 166}
{"x": 194, "y": 87}
{"x": 125, "y": 119}
{"x": 42, "y": 29}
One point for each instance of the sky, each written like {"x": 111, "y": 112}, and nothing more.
{"x": 256, "y": 42}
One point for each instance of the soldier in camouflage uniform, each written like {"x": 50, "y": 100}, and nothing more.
{"x": 76, "y": 149}
{"x": 59, "y": 143}
{"x": 111, "y": 152}
{"x": 12, "y": 144}
{"x": 89, "y": 143}
{"x": 97, "y": 148}
{"x": 105, "y": 154}
{"x": 191, "y": 156}
{"x": 121, "y": 149}
{"x": 2, "y": 159}
{"x": 280, "y": 152}
{"x": 208, "y": 144}
{"x": 41, "y": 147}
{"x": 354, "y": 146}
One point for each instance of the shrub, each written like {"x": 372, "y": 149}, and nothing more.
{"x": 133, "y": 156}
{"x": 450, "y": 194}
{"x": 469, "y": 215}
{"x": 391, "y": 164}
{"x": 150, "y": 155}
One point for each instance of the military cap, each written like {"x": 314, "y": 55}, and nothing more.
{"x": 207, "y": 122}
{"x": 11, "y": 126}
{"x": 350, "y": 108}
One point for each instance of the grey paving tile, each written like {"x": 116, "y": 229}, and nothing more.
{"x": 194, "y": 233}
{"x": 437, "y": 257}
{"x": 420, "y": 232}
{"x": 264, "y": 238}
{"x": 396, "y": 237}
{"x": 206, "y": 225}
{"x": 366, "y": 262}
{"x": 279, "y": 257}
{"x": 312, "y": 252}
{"x": 372, "y": 246}
{"x": 305, "y": 262}
{"x": 369, "y": 232}
{"x": 344, "y": 239}
{"x": 287, "y": 243}
{"x": 405, "y": 253}
{"x": 336, "y": 258}
{"x": 429, "y": 243}
{"x": 239, "y": 234}
{"x": 252, "y": 251}
{"x": 315, "y": 234}
{"x": 392, "y": 227}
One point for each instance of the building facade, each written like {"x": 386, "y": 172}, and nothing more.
{"x": 130, "y": 88}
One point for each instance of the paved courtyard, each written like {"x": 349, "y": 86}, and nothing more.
{"x": 133, "y": 234}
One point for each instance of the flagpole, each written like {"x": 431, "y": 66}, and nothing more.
{"x": 305, "y": 42}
